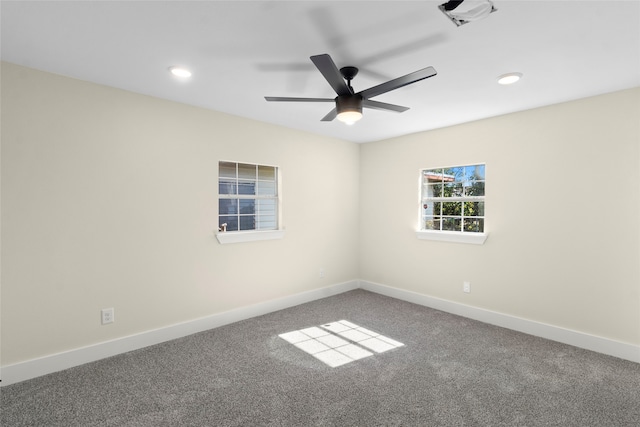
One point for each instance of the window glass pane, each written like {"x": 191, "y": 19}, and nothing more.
{"x": 247, "y": 206}
{"x": 473, "y": 208}
{"x": 266, "y": 188}
{"x": 468, "y": 173}
{"x": 231, "y": 221}
{"x": 448, "y": 175}
{"x": 267, "y": 173}
{"x": 474, "y": 173}
{"x": 433, "y": 190}
{"x": 453, "y": 189}
{"x": 452, "y": 208}
{"x": 247, "y": 187}
{"x": 428, "y": 208}
{"x": 475, "y": 189}
{"x": 267, "y": 218}
{"x": 437, "y": 208}
{"x": 266, "y": 206}
{"x": 430, "y": 176}
{"x": 451, "y": 224}
{"x": 227, "y": 170}
{"x": 474, "y": 225}
{"x": 227, "y": 206}
{"x": 456, "y": 174}
{"x": 227, "y": 187}
{"x": 266, "y": 222}
{"x": 246, "y": 171}
{"x": 247, "y": 222}
{"x": 432, "y": 223}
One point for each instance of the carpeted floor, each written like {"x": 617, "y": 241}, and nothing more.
{"x": 451, "y": 371}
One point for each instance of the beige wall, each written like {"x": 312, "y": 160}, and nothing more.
{"x": 109, "y": 200}
{"x": 562, "y": 203}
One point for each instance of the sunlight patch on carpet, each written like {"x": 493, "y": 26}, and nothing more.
{"x": 339, "y": 343}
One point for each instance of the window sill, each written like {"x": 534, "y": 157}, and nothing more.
{"x": 248, "y": 236}
{"x": 453, "y": 236}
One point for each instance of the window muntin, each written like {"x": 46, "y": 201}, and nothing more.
{"x": 247, "y": 197}
{"x": 453, "y": 199}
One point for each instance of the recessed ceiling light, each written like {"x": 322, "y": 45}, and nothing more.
{"x": 510, "y": 78}
{"x": 180, "y": 72}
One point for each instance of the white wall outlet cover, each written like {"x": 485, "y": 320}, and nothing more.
{"x": 107, "y": 315}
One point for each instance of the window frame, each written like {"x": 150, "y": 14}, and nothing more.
{"x": 457, "y": 236}
{"x": 248, "y": 235}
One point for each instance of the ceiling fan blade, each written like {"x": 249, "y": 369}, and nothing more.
{"x": 329, "y": 117}
{"x": 288, "y": 99}
{"x": 328, "y": 68}
{"x": 416, "y": 76}
{"x": 368, "y": 103}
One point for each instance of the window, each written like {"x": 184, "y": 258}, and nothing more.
{"x": 247, "y": 197}
{"x": 452, "y": 199}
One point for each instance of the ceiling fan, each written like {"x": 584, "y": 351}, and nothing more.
{"x": 349, "y": 105}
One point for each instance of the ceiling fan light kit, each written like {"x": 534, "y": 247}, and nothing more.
{"x": 349, "y": 108}
{"x": 462, "y": 12}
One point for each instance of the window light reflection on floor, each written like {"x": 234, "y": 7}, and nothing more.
{"x": 341, "y": 342}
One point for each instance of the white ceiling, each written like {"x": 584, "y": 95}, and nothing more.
{"x": 240, "y": 51}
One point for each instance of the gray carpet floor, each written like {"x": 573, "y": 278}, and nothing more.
{"x": 451, "y": 371}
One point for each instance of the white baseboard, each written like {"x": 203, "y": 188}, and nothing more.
{"x": 22, "y": 371}
{"x": 566, "y": 336}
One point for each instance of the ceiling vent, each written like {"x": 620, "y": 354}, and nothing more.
{"x": 462, "y": 12}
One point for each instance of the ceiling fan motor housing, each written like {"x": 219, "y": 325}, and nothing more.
{"x": 349, "y": 103}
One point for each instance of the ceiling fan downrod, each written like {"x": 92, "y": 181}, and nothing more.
{"x": 349, "y": 73}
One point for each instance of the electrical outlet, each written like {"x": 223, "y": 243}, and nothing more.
{"x": 321, "y": 273}
{"x": 466, "y": 287}
{"x": 108, "y": 315}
